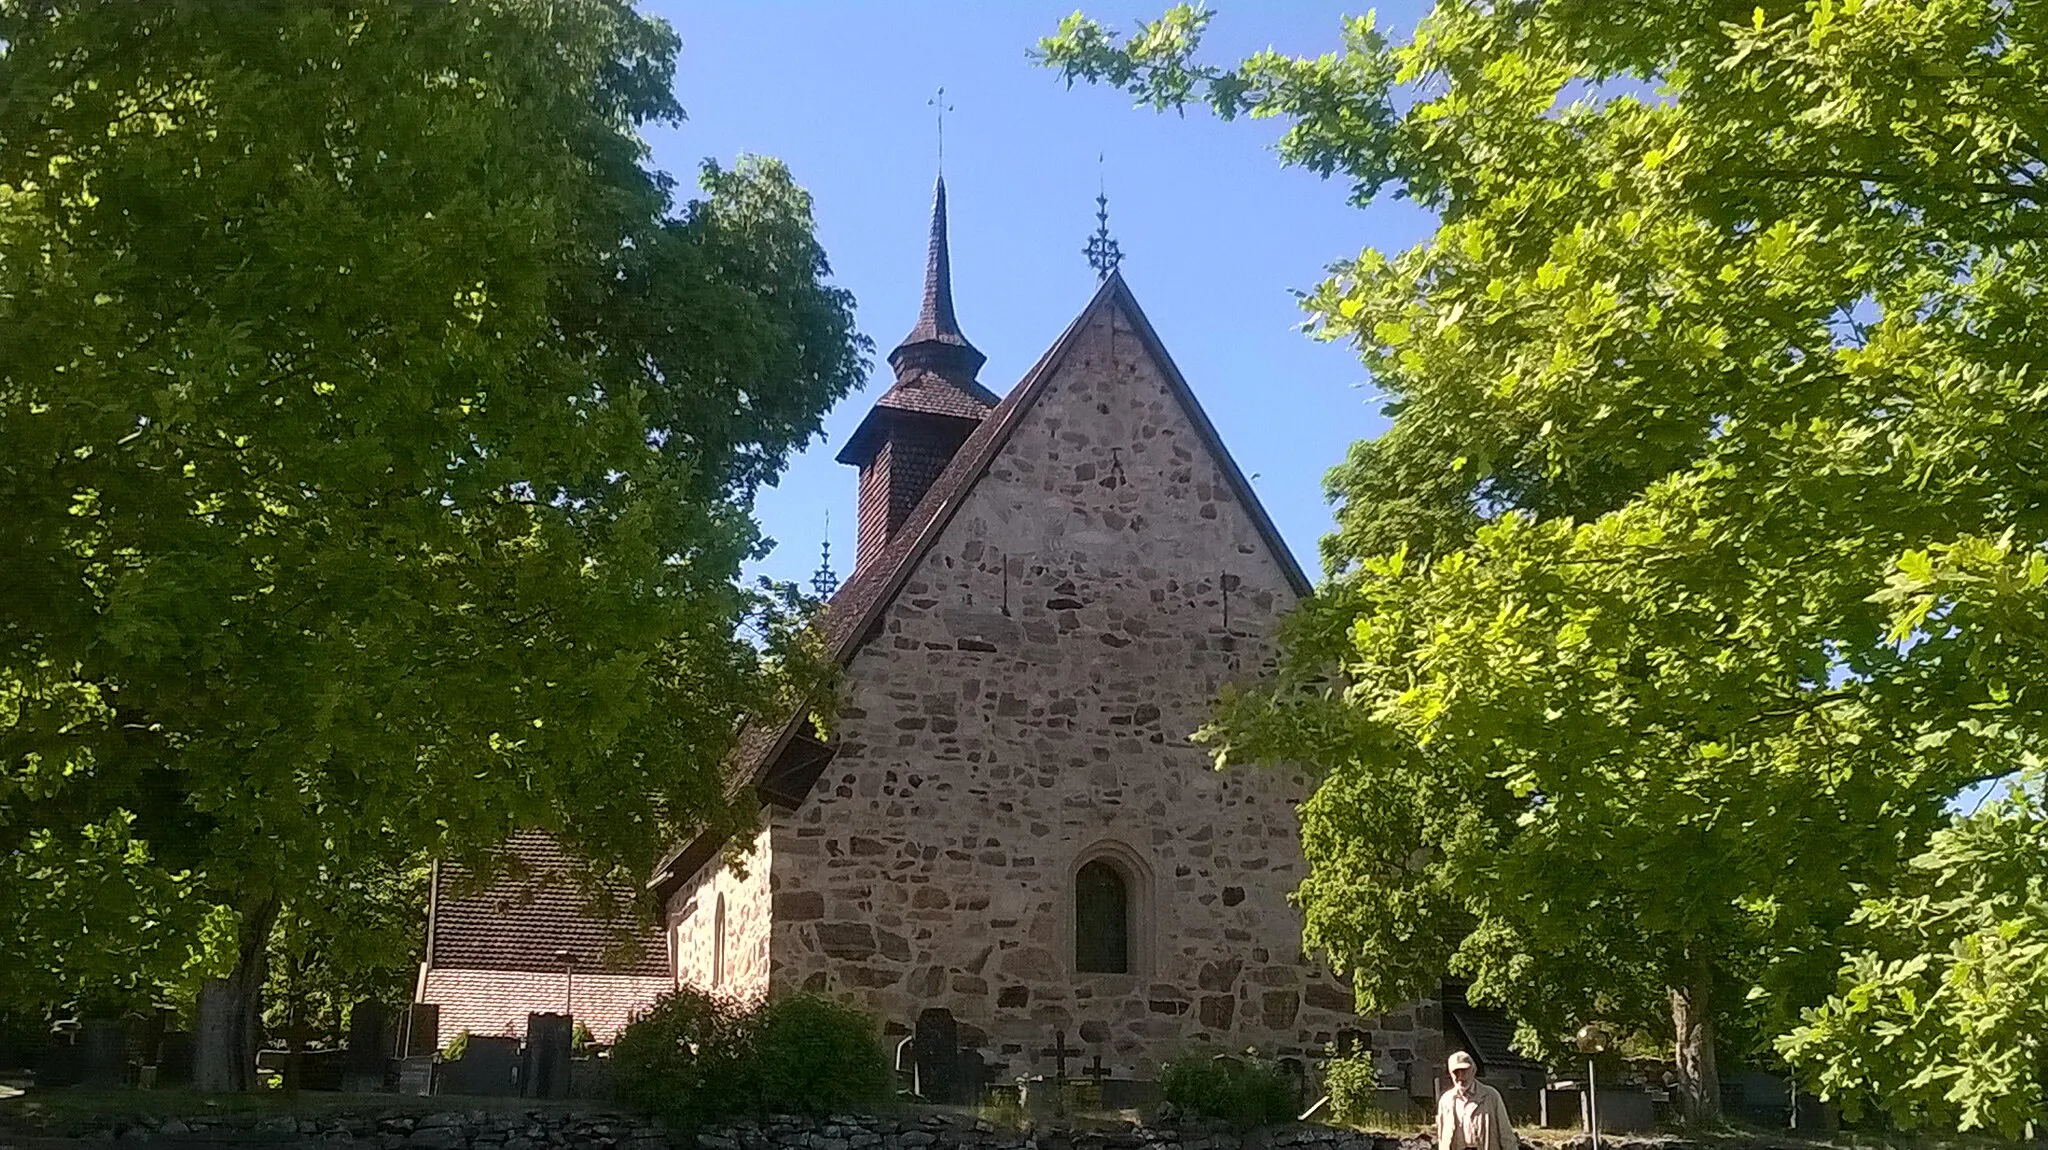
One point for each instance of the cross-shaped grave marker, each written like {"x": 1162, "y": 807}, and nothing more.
{"x": 1059, "y": 1051}
{"x": 1096, "y": 1069}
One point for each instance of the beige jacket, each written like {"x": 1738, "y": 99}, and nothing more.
{"x": 1490, "y": 1129}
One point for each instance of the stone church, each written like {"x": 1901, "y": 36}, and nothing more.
{"x": 1008, "y": 820}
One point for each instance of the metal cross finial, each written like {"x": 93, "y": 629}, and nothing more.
{"x": 1103, "y": 253}
{"x": 939, "y": 102}
{"x": 825, "y": 581}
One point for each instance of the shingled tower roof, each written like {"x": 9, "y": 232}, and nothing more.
{"x": 911, "y": 433}
{"x": 936, "y": 344}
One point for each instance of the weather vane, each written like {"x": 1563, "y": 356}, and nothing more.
{"x": 939, "y": 102}
{"x": 1103, "y": 253}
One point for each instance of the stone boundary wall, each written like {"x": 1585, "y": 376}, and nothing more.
{"x": 550, "y": 1129}
{"x": 611, "y": 1130}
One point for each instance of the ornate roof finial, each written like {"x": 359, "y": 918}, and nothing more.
{"x": 939, "y": 102}
{"x": 825, "y": 581}
{"x": 1103, "y": 253}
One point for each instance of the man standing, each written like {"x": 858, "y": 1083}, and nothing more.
{"x": 1471, "y": 1115}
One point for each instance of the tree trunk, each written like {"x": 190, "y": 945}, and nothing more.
{"x": 1699, "y": 1082}
{"x": 231, "y": 1009}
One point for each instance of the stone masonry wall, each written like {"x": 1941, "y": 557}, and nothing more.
{"x": 693, "y": 933}
{"x": 1026, "y": 707}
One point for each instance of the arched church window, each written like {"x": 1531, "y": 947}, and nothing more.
{"x": 1102, "y": 920}
{"x": 718, "y": 944}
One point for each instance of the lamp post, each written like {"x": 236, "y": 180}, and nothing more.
{"x": 568, "y": 983}
{"x": 1592, "y": 1040}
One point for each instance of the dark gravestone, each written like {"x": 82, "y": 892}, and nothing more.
{"x": 1623, "y": 1111}
{"x": 322, "y": 1069}
{"x": 935, "y": 1053}
{"x": 545, "y": 1072}
{"x": 103, "y": 1053}
{"x": 1129, "y": 1093}
{"x": 1561, "y": 1109}
{"x": 1525, "y": 1105}
{"x": 488, "y": 1067}
{"x": 422, "y": 1029}
{"x": 590, "y": 1078}
{"x": 304, "y": 1069}
{"x": 174, "y": 1059}
{"x": 369, "y": 1048}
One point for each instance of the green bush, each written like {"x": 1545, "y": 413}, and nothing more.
{"x": 694, "y": 1057}
{"x": 1355, "y": 1099}
{"x": 684, "y": 1057}
{"x": 814, "y": 1056}
{"x": 1242, "y": 1089}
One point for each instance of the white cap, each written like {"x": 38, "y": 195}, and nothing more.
{"x": 1460, "y": 1060}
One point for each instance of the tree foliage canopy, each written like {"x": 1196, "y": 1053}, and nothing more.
{"x": 1942, "y": 1016}
{"x": 378, "y": 438}
{"x": 1704, "y": 559}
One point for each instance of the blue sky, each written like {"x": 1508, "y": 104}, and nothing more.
{"x": 1216, "y": 235}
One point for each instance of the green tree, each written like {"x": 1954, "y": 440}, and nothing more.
{"x": 360, "y": 940}
{"x": 1703, "y": 561}
{"x": 1941, "y": 1019}
{"x": 378, "y": 438}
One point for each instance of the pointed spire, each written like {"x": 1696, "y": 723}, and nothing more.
{"x": 936, "y": 343}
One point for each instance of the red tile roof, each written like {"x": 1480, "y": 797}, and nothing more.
{"x": 522, "y": 920}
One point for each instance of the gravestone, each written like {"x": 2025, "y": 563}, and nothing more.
{"x": 1561, "y": 1107}
{"x": 103, "y": 1053}
{"x": 416, "y": 1074}
{"x": 303, "y": 1069}
{"x": 488, "y": 1067}
{"x": 422, "y": 1029}
{"x": 545, "y": 1071}
{"x": 174, "y": 1059}
{"x": 1624, "y": 1111}
{"x": 369, "y": 1048}
{"x": 1129, "y": 1093}
{"x": 944, "y": 1075}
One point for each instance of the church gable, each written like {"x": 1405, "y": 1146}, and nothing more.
{"x": 1013, "y": 775}
{"x": 1104, "y": 469}
{"x": 1107, "y": 371}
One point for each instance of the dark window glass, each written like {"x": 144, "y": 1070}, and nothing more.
{"x": 718, "y": 944}
{"x": 1102, "y": 925}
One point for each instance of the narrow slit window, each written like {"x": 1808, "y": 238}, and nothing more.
{"x": 718, "y": 944}
{"x": 1102, "y": 920}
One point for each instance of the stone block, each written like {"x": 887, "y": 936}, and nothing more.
{"x": 846, "y": 940}
{"x": 799, "y": 905}
{"x": 1219, "y": 976}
